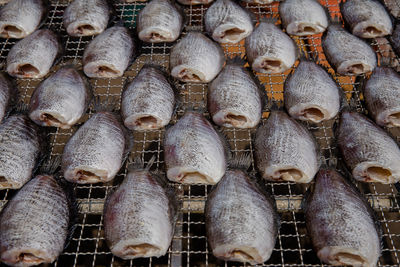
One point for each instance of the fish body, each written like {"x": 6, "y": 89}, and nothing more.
{"x": 228, "y": 22}
{"x": 285, "y": 150}
{"x": 340, "y": 222}
{"x": 395, "y": 39}
{"x": 241, "y": 219}
{"x": 194, "y": 152}
{"x": 148, "y": 101}
{"x": 20, "y": 147}
{"x": 196, "y": 59}
{"x": 86, "y": 17}
{"x": 34, "y": 225}
{"x": 382, "y": 96}
{"x": 109, "y": 54}
{"x": 369, "y": 152}
{"x": 33, "y": 56}
{"x": 348, "y": 54}
{"x": 303, "y": 17}
{"x": 269, "y": 49}
{"x": 7, "y": 92}
{"x": 19, "y": 18}
{"x": 139, "y": 217}
{"x": 159, "y": 21}
{"x": 394, "y": 7}
{"x": 95, "y": 152}
{"x": 260, "y": 2}
{"x": 60, "y": 100}
{"x": 367, "y": 18}
{"x": 311, "y": 94}
{"x": 195, "y": 2}
{"x": 234, "y": 98}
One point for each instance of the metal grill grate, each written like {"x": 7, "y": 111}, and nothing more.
{"x": 189, "y": 247}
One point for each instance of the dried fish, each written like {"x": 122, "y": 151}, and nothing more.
{"x": 86, "y": 17}
{"x": 348, "y": 54}
{"x": 394, "y": 7}
{"x": 303, "y": 17}
{"x": 8, "y": 92}
{"x": 109, "y": 54}
{"x": 382, "y": 96}
{"x": 148, "y": 101}
{"x": 311, "y": 94}
{"x": 370, "y": 153}
{"x": 196, "y": 59}
{"x": 234, "y": 98}
{"x": 60, "y": 100}
{"x": 269, "y": 49}
{"x": 33, "y": 56}
{"x": 35, "y": 224}
{"x": 21, "y": 146}
{"x": 241, "y": 219}
{"x": 95, "y": 153}
{"x": 139, "y": 216}
{"x": 261, "y": 2}
{"x": 285, "y": 150}
{"x": 341, "y": 223}
{"x": 159, "y": 21}
{"x": 395, "y": 39}
{"x": 228, "y": 22}
{"x": 195, "y": 2}
{"x": 367, "y": 18}
{"x": 19, "y": 18}
{"x": 194, "y": 152}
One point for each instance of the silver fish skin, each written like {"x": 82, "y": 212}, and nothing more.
{"x": 369, "y": 152}
{"x": 195, "y": 2}
{"x": 159, "y": 21}
{"x": 241, "y": 219}
{"x": 261, "y": 2}
{"x": 21, "y": 146}
{"x": 109, "y": 54}
{"x": 303, "y": 17}
{"x": 367, "y": 18}
{"x": 148, "y": 101}
{"x": 311, "y": 94}
{"x": 341, "y": 222}
{"x": 382, "y": 95}
{"x": 60, "y": 100}
{"x": 95, "y": 152}
{"x": 195, "y": 58}
{"x": 269, "y": 49}
{"x": 34, "y": 225}
{"x": 86, "y": 17}
{"x": 393, "y": 6}
{"x": 7, "y": 92}
{"x": 19, "y": 18}
{"x": 395, "y": 39}
{"x": 33, "y": 56}
{"x": 348, "y": 54}
{"x": 234, "y": 99}
{"x": 285, "y": 150}
{"x": 139, "y": 217}
{"x": 194, "y": 152}
{"x": 228, "y": 22}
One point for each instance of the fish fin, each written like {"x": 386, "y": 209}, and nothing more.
{"x": 138, "y": 163}
{"x": 129, "y": 141}
{"x": 14, "y": 95}
{"x": 272, "y": 105}
{"x": 242, "y": 162}
{"x": 108, "y": 105}
{"x": 113, "y": 14}
{"x": 270, "y": 20}
{"x": 50, "y": 165}
{"x": 45, "y": 15}
{"x": 225, "y": 143}
{"x": 236, "y": 60}
{"x": 387, "y": 62}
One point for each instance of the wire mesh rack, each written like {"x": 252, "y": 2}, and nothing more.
{"x": 189, "y": 247}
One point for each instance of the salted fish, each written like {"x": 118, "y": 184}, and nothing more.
{"x": 8, "y": 92}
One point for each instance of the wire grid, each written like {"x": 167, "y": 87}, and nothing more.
{"x": 189, "y": 246}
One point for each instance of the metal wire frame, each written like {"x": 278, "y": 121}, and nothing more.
{"x": 189, "y": 247}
